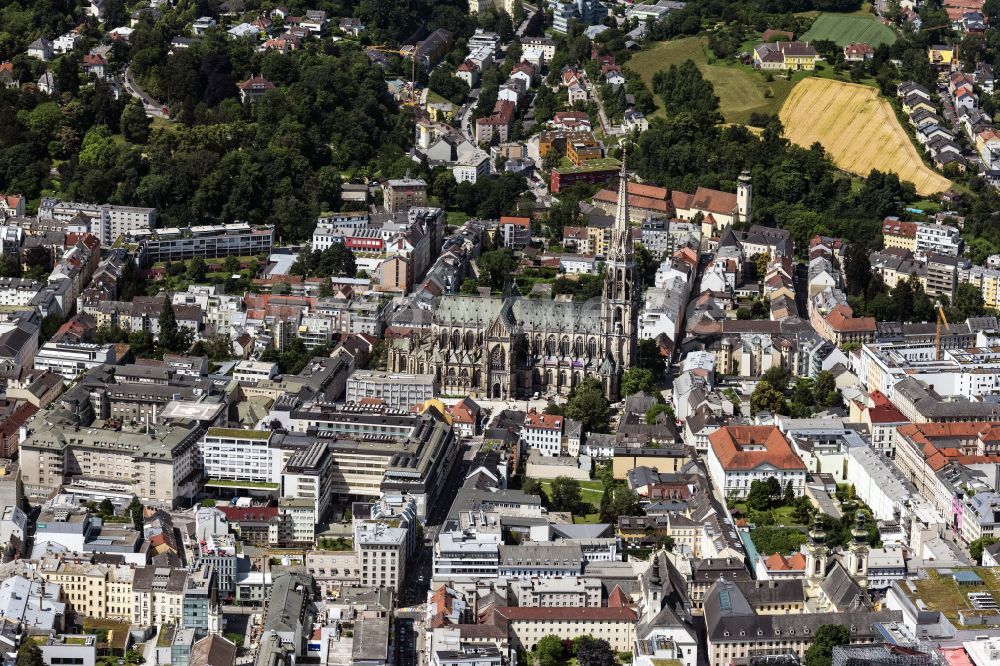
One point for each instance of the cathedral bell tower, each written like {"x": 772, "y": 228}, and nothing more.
{"x": 618, "y": 300}
{"x": 816, "y": 555}
{"x": 857, "y": 553}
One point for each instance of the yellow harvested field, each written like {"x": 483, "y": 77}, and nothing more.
{"x": 857, "y": 129}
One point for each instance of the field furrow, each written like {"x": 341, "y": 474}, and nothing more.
{"x": 857, "y": 129}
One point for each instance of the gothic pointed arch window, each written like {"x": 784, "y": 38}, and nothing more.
{"x": 470, "y": 340}
{"x": 537, "y": 346}
{"x": 564, "y": 346}
{"x": 550, "y": 346}
{"x": 443, "y": 338}
{"x": 592, "y": 348}
{"x": 456, "y": 339}
{"x": 578, "y": 347}
{"x": 498, "y": 359}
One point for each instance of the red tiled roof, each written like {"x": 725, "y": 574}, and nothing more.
{"x": 841, "y": 321}
{"x": 239, "y": 514}
{"x": 898, "y": 228}
{"x": 618, "y": 599}
{"x": 779, "y": 562}
{"x": 543, "y": 421}
{"x": 516, "y": 221}
{"x": 728, "y": 445}
{"x": 256, "y": 82}
{"x": 886, "y": 413}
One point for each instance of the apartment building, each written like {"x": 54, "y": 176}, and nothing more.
{"x": 938, "y": 239}
{"x": 515, "y": 232}
{"x": 543, "y": 432}
{"x": 394, "y": 389}
{"x": 93, "y": 590}
{"x": 158, "y": 595}
{"x": 208, "y": 241}
{"x": 107, "y": 221}
{"x": 382, "y": 553}
{"x": 402, "y": 194}
{"x": 18, "y": 291}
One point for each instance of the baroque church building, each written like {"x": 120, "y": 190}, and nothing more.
{"x": 510, "y": 346}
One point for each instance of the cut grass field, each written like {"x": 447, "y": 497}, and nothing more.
{"x": 857, "y": 129}
{"x": 741, "y": 90}
{"x": 844, "y": 29}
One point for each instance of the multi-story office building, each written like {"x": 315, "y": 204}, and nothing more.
{"x": 209, "y": 241}
{"x": 468, "y": 547}
{"x": 159, "y": 466}
{"x": 396, "y": 390}
{"x": 740, "y": 455}
{"x": 306, "y": 474}
{"x": 73, "y": 359}
{"x": 382, "y": 553}
{"x": 969, "y": 372}
{"x": 200, "y": 609}
{"x": 254, "y": 371}
{"x": 234, "y": 455}
{"x": 575, "y": 592}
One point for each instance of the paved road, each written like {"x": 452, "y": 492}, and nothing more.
{"x": 152, "y": 107}
{"x": 609, "y": 129}
{"x": 465, "y": 114}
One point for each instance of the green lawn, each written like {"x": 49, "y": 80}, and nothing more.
{"x": 782, "y": 514}
{"x": 740, "y": 89}
{"x": 591, "y": 493}
{"x": 844, "y": 29}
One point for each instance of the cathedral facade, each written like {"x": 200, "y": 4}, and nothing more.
{"x": 513, "y": 347}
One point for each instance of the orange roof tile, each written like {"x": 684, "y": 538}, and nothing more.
{"x": 749, "y": 447}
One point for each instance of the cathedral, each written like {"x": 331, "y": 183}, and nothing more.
{"x": 513, "y": 347}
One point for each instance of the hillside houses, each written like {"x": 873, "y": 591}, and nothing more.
{"x": 931, "y": 130}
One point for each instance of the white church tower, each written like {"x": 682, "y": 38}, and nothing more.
{"x": 744, "y": 193}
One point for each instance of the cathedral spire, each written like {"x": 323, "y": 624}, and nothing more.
{"x": 621, "y": 234}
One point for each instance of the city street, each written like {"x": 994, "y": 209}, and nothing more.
{"x": 152, "y": 107}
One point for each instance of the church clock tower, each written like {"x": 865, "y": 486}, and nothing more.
{"x": 618, "y": 301}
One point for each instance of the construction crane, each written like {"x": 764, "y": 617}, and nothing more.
{"x": 412, "y": 55}
{"x": 942, "y": 321}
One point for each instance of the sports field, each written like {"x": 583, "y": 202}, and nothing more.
{"x": 858, "y": 129}
{"x": 740, "y": 90}
{"x": 844, "y": 29}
